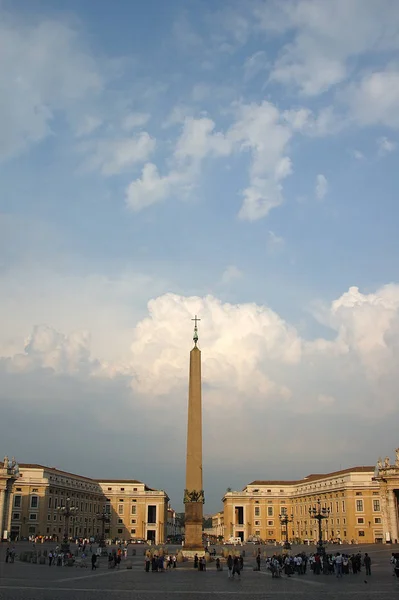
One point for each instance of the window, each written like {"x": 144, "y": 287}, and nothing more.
{"x": 134, "y": 510}
{"x": 55, "y": 518}
{"x": 135, "y": 489}
{"x": 257, "y": 511}
{"x": 18, "y": 489}
{"x": 120, "y": 530}
{"x": 270, "y": 511}
{"x": 35, "y": 490}
{"x": 120, "y": 509}
{"x": 48, "y": 517}
{"x": 110, "y": 489}
{"x": 359, "y": 505}
{"x": 257, "y": 523}
{"x": 343, "y": 505}
{"x": 133, "y": 531}
{"x": 360, "y": 521}
{"x": 120, "y": 521}
{"x": 283, "y": 510}
{"x": 49, "y": 502}
{"x": 269, "y": 491}
{"x": 270, "y": 523}
{"x": 359, "y": 494}
{"x": 270, "y": 532}
{"x": 16, "y": 516}
{"x": 377, "y": 520}
{"x": 337, "y": 521}
{"x": 122, "y": 489}
{"x": 17, "y": 501}
{"x": 120, "y": 499}
{"x": 376, "y": 506}
{"x": 134, "y": 500}
{"x": 33, "y": 517}
{"x": 337, "y": 506}
{"x": 361, "y": 533}
{"x": 133, "y": 521}
{"x": 34, "y": 501}
{"x": 257, "y": 532}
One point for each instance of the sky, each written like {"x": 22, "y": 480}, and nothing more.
{"x": 234, "y": 160}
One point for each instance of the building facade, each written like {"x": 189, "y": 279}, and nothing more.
{"x": 30, "y": 504}
{"x": 352, "y": 496}
{"x": 135, "y": 510}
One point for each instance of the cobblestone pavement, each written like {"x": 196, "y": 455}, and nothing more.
{"x": 25, "y": 581}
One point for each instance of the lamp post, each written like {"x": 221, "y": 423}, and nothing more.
{"x": 284, "y": 520}
{"x": 319, "y": 514}
{"x": 104, "y": 518}
{"x": 67, "y": 512}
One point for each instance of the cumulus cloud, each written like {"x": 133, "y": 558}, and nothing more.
{"x": 321, "y": 188}
{"x": 255, "y": 364}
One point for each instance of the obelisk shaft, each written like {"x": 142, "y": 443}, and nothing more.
{"x": 194, "y": 494}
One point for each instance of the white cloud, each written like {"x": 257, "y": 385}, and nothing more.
{"x": 321, "y": 188}
{"x": 151, "y": 187}
{"x": 231, "y": 273}
{"x": 274, "y": 241}
{"x": 255, "y": 64}
{"x": 134, "y": 120}
{"x": 44, "y": 69}
{"x": 196, "y": 141}
{"x": 260, "y": 129}
{"x": 385, "y": 146}
{"x": 357, "y": 154}
{"x": 113, "y": 156}
{"x": 374, "y": 100}
{"x": 326, "y": 36}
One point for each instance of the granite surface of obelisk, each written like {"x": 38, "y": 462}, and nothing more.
{"x": 194, "y": 493}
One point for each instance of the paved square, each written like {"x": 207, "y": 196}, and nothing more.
{"x": 25, "y": 581}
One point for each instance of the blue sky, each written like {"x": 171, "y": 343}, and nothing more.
{"x": 238, "y": 160}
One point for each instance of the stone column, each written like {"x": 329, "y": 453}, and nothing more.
{"x": 2, "y": 509}
{"x": 393, "y": 515}
{"x": 194, "y": 494}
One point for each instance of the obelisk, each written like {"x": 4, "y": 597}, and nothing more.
{"x": 194, "y": 493}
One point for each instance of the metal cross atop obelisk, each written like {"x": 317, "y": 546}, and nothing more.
{"x": 195, "y": 336}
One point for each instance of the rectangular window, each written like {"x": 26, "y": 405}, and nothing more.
{"x": 359, "y": 494}
{"x": 343, "y": 505}
{"x": 377, "y": 520}
{"x": 48, "y": 517}
{"x": 257, "y": 523}
{"x": 120, "y": 509}
{"x": 376, "y": 506}
{"x": 360, "y": 521}
{"x": 283, "y": 510}
{"x": 120, "y": 521}
{"x": 17, "y": 501}
{"x": 55, "y": 518}
{"x": 49, "y": 502}
{"x": 120, "y": 530}
{"x": 33, "y": 517}
{"x": 257, "y": 511}
{"x": 16, "y": 516}
{"x": 34, "y": 501}
{"x": 134, "y": 510}
{"x": 270, "y": 523}
{"x": 337, "y": 506}
{"x": 359, "y": 505}
{"x": 270, "y": 532}
{"x": 270, "y": 511}
{"x": 361, "y": 533}
{"x": 133, "y": 531}
{"x": 151, "y": 514}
